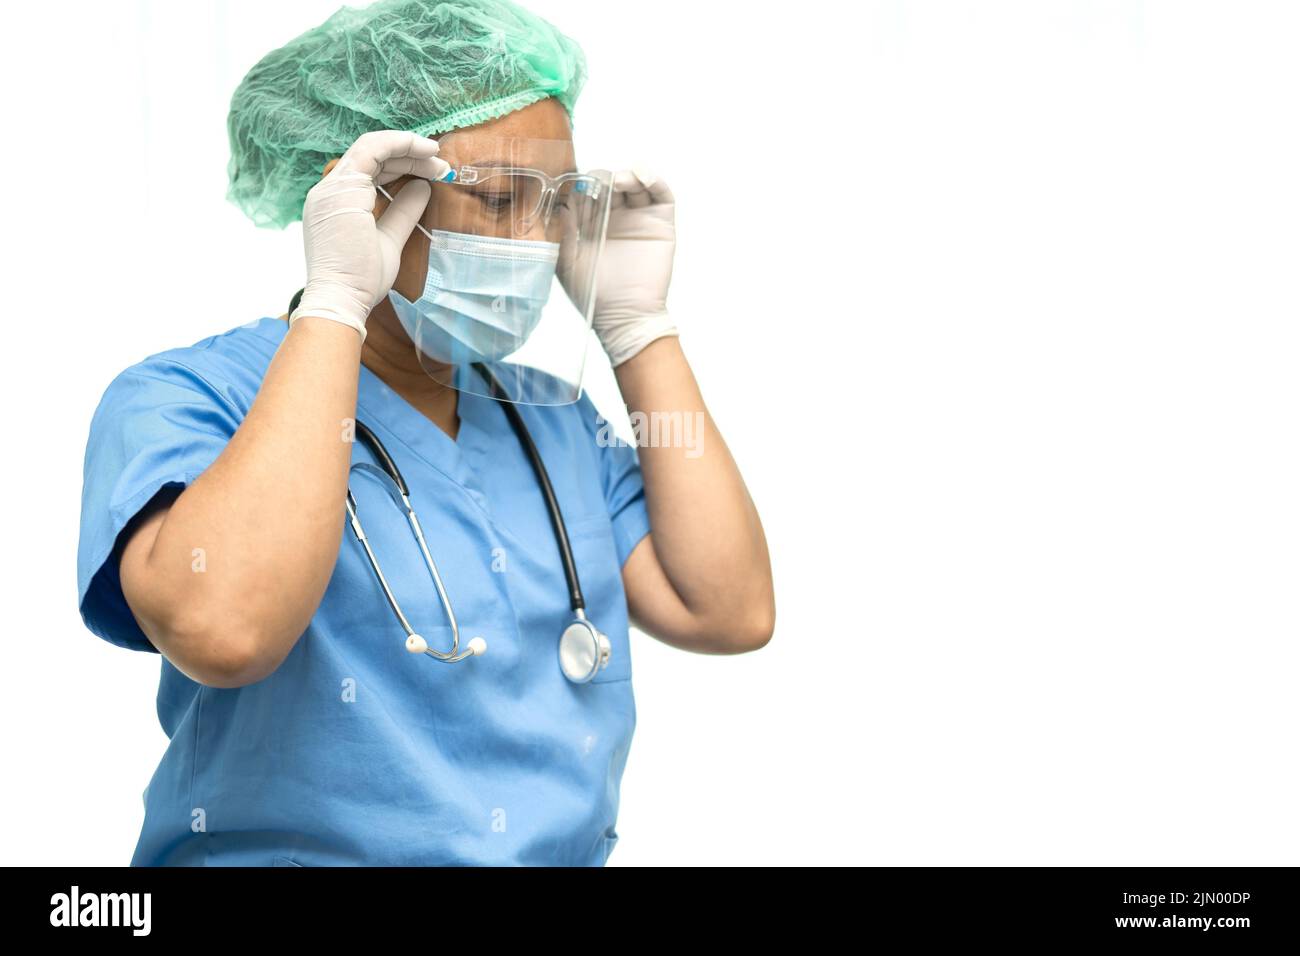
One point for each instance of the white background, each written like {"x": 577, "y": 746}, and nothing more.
{"x": 995, "y": 303}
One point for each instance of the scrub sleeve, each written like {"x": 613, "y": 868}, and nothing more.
{"x": 622, "y": 483}
{"x": 159, "y": 424}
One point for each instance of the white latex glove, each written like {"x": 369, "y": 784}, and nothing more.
{"x": 352, "y": 257}
{"x": 634, "y": 271}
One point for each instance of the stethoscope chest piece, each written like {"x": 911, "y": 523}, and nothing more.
{"x": 583, "y": 651}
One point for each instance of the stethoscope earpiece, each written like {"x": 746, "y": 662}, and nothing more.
{"x": 418, "y": 645}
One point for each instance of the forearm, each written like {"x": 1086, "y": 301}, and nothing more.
{"x": 242, "y": 558}
{"x": 706, "y": 532}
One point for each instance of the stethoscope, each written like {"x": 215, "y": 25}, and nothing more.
{"x": 583, "y": 649}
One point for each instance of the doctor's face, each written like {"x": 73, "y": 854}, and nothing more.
{"x": 495, "y": 206}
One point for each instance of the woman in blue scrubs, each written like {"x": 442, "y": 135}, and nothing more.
{"x": 301, "y": 730}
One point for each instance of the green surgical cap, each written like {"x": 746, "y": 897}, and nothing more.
{"x": 417, "y": 65}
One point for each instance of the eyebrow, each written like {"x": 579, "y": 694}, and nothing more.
{"x": 500, "y": 163}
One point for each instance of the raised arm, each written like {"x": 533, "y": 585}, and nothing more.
{"x": 701, "y": 579}
{"x": 268, "y": 512}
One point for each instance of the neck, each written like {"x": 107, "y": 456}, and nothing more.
{"x": 389, "y": 353}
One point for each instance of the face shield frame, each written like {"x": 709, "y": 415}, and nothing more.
{"x": 526, "y": 195}
{"x": 588, "y": 184}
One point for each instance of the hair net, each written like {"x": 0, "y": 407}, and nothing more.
{"x": 422, "y": 66}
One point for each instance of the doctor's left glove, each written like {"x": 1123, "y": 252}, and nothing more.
{"x": 636, "y": 266}
{"x": 352, "y": 257}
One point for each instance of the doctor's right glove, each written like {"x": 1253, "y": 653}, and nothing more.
{"x": 352, "y": 258}
{"x": 635, "y": 268}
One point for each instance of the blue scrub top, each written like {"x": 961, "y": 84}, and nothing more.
{"x": 356, "y": 751}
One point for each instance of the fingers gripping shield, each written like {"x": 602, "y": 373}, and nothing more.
{"x": 516, "y": 220}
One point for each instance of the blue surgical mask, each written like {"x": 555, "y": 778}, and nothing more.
{"x": 483, "y": 296}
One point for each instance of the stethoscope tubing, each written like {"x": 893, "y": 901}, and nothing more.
{"x": 386, "y": 468}
{"x": 576, "y": 602}
{"x": 367, "y": 437}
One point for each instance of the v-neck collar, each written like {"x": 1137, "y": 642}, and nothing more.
{"x": 381, "y": 408}
{"x": 380, "y": 405}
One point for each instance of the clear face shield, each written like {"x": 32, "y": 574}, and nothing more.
{"x": 515, "y": 223}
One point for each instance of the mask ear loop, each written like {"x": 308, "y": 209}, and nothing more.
{"x": 389, "y": 197}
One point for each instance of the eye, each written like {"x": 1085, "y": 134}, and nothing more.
{"x": 495, "y": 202}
